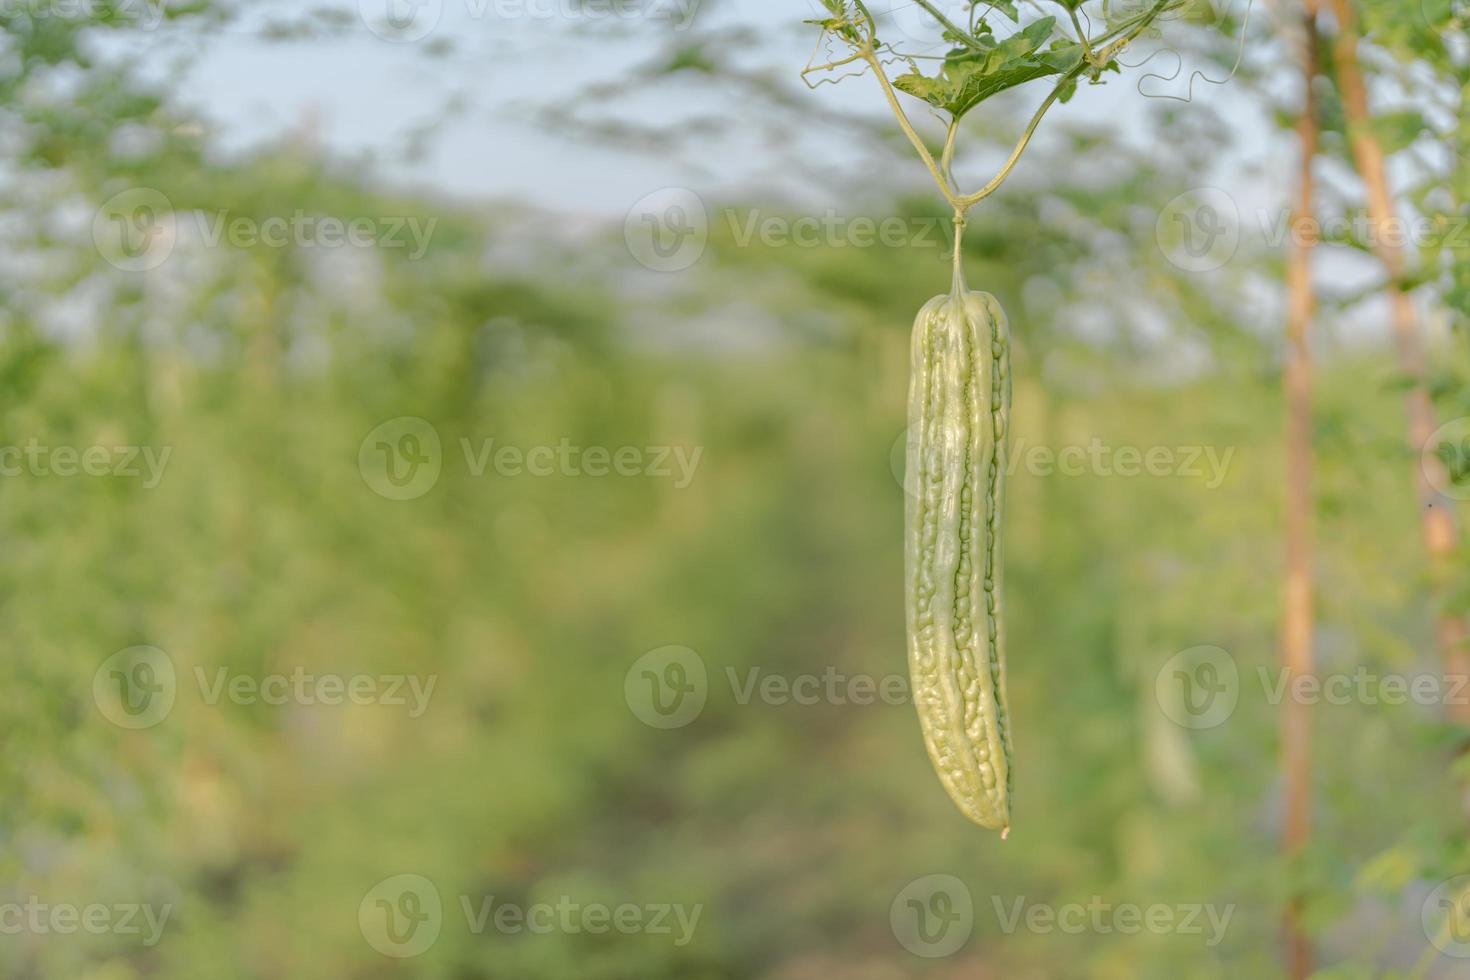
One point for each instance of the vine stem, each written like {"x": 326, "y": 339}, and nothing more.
{"x": 947, "y": 160}
{"x": 1015, "y": 157}
{"x": 1120, "y": 38}
{"x": 1082, "y": 35}
{"x": 945, "y": 22}
{"x": 871, "y": 57}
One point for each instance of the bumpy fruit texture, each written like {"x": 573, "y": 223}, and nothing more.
{"x": 959, "y": 404}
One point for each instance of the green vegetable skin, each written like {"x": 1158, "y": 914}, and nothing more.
{"x": 959, "y": 403}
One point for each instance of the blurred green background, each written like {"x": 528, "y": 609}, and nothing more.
{"x": 756, "y": 834}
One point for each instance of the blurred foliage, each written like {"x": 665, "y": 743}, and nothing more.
{"x": 264, "y": 550}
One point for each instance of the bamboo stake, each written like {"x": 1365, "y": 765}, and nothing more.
{"x": 1296, "y": 633}
{"x": 1441, "y": 535}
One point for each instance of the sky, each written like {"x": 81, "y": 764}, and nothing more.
{"x": 475, "y": 73}
{"x": 366, "y": 90}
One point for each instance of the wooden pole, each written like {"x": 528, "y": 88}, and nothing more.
{"x": 1297, "y": 620}
{"x": 1441, "y": 535}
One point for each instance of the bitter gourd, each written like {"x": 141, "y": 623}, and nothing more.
{"x": 959, "y": 405}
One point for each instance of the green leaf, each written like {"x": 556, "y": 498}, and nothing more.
{"x": 1032, "y": 36}
{"x": 971, "y": 76}
{"x": 1390, "y": 871}
{"x": 1398, "y": 130}
{"x": 1062, "y": 56}
{"x": 846, "y": 15}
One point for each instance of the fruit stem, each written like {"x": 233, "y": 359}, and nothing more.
{"x": 958, "y": 279}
